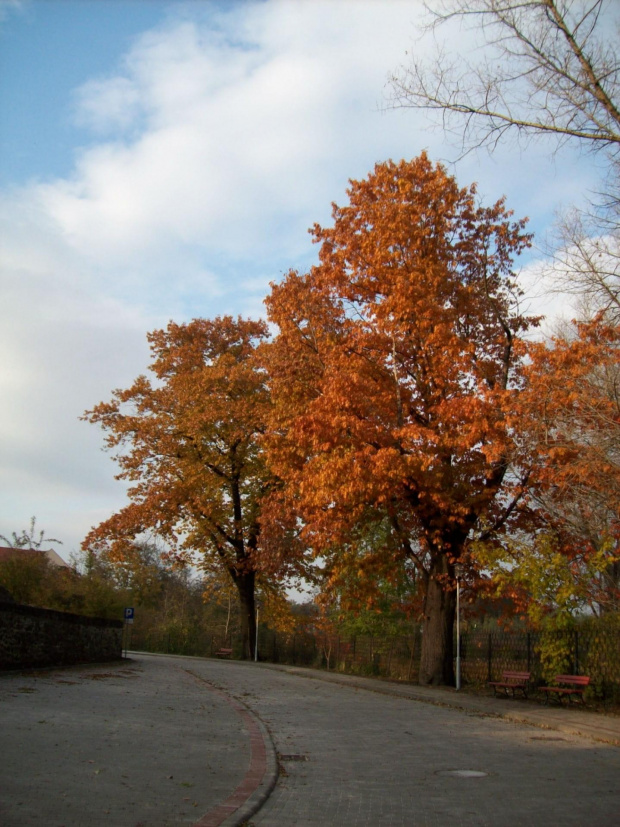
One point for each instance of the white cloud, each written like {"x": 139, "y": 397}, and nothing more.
{"x": 105, "y": 105}
{"x": 231, "y": 146}
{"x": 213, "y": 148}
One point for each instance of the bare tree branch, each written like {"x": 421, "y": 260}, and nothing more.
{"x": 550, "y": 67}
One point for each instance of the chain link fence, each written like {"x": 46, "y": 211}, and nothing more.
{"x": 485, "y": 654}
{"x": 590, "y": 651}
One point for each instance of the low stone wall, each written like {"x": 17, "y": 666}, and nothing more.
{"x": 42, "y": 637}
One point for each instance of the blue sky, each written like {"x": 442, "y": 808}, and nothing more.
{"x": 163, "y": 160}
{"x": 46, "y": 51}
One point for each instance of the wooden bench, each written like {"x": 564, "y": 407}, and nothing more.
{"x": 224, "y": 653}
{"x": 573, "y": 686}
{"x": 511, "y": 682}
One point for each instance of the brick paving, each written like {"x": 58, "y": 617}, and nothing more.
{"x": 260, "y": 777}
{"x": 142, "y": 744}
{"x": 376, "y": 759}
{"x": 162, "y": 741}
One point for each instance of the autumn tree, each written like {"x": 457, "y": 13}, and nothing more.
{"x": 188, "y": 444}
{"x": 570, "y": 420}
{"x": 572, "y": 405}
{"x": 394, "y": 374}
{"x": 141, "y": 571}
{"x": 372, "y": 588}
{"x": 26, "y": 577}
{"x": 550, "y": 69}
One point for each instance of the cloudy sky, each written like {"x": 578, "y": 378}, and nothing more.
{"x": 163, "y": 160}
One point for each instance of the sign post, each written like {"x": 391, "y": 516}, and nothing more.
{"x": 128, "y": 616}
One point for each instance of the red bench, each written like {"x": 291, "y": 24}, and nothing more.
{"x": 571, "y": 685}
{"x": 511, "y": 682}
{"x": 224, "y": 653}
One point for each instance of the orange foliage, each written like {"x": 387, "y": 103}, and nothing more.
{"x": 573, "y": 401}
{"x": 188, "y": 443}
{"x": 396, "y": 368}
{"x": 571, "y": 410}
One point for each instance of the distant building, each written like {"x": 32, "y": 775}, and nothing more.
{"x": 32, "y": 553}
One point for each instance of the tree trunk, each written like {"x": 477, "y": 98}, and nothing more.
{"x": 436, "y": 661}
{"x": 245, "y": 586}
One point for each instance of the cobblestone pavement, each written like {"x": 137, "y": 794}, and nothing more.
{"x": 141, "y": 744}
{"x": 146, "y": 743}
{"x": 353, "y": 757}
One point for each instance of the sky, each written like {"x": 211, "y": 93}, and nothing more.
{"x": 163, "y": 161}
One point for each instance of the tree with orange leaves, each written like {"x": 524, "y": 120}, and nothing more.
{"x": 394, "y": 374}
{"x": 572, "y": 412}
{"x": 189, "y": 446}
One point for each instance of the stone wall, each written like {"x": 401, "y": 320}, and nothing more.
{"x": 41, "y": 637}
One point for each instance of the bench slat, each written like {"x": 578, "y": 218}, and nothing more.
{"x": 511, "y": 680}
{"x": 572, "y": 685}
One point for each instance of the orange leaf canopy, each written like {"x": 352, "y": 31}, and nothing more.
{"x": 397, "y": 363}
{"x": 572, "y": 407}
{"x": 189, "y": 444}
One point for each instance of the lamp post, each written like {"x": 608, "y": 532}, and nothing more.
{"x": 256, "y": 641}
{"x": 458, "y": 571}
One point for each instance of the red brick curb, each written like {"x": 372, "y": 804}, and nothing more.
{"x": 260, "y": 777}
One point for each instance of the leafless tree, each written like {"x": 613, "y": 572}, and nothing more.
{"x": 28, "y": 539}
{"x": 585, "y": 264}
{"x": 549, "y": 67}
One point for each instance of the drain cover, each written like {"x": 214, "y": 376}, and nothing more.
{"x": 463, "y": 773}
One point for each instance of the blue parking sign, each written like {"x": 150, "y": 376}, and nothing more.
{"x": 129, "y": 615}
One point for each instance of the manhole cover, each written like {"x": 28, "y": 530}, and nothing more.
{"x": 463, "y": 773}
{"x": 293, "y": 757}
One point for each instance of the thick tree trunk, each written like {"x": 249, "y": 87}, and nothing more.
{"x": 436, "y": 661}
{"x": 245, "y": 586}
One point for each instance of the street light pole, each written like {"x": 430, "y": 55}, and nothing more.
{"x": 256, "y": 641}
{"x": 457, "y": 572}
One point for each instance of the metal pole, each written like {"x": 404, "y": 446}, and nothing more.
{"x": 256, "y": 642}
{"x": 576, "y": 652}
{"x": 489, "y": 656}
{"x": 458, "y": 630}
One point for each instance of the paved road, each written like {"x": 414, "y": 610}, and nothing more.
{"x": 150, "y": 744}
{"x": 372, "y": 759}
{"x": 137, "y": 745}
